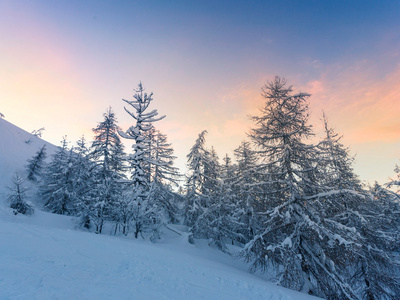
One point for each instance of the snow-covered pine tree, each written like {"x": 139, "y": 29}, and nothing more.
{"x": 83, "y": 179}
{"x": 212, "y": 173}
{"x": 207, "y": 221}
{"x": 294, "y": 239}
{"x": 227, "y": 168}
{"x": 196, "y": 161}
{"x": 162, "y": 174}
{"x": 162, "y": 156}
{"x": 144, "y": 215}
{"x": 35, "y": 164}
{"x": 212, "y": 209}
{"x": 17, "y": 196}
{"x": 372, "y": 268}
{"x": 382, "y": 215}
{"x": 395, "y": 183}
{"x": 390, "y": 203}
{"x": 57, "y": 189}
{"x": 234, "y": 227}
{"x": 107, "y": 151}
{"x": 336, "y": 161}
{"x": 249, "y": 194}
{"x": 221, "y": 220}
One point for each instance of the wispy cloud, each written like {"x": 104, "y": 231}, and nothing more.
{"x": 365, "y": 108}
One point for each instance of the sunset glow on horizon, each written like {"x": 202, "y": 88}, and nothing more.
{"x": 62, "y": 63}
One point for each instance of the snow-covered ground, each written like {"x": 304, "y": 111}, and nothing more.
{"x": 16, "y": 147}
{"x": 44, "y": 256}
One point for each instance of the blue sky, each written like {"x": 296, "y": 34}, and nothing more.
{"x": 64, "y": 62}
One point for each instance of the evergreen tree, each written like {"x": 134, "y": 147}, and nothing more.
{"x": 17, "y": 197}
{"x": 373, "y": 267}
{"x": 35, "y": 164}
{"x": 107, "y": 152}
{"x": 336, "y": 161}
{"x": 162, "y": 175}
{"x": 227, "y": 168}
{"x": 395, "y": 183}
{"x": 145, "y": 216}
{"x": 294, "y": 238}
{"x": 84, "y": 179}
{"x": 107, "y": 149}
{"x": 220, "y": 220}
{"x": 212, "y": 210}
{"x": 195, "y": 182}
{"x": 161, "y": 156}
{"x": 249, "y": 194}
{"x": 58, "y": 186}
{"x": 212, "y": 173}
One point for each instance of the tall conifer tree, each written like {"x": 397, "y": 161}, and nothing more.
{"x": 144, "y": 215}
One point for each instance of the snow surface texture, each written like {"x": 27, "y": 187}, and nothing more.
{"x": 44, "y": 256}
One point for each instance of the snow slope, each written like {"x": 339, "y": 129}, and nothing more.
{"x": 16, "y": 147}
{"x": 45, "y": 256}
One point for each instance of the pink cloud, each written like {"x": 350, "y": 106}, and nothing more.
{"x": 361, "y": 106}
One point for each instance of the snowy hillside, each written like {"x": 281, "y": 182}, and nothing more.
{"x": 44, "y": 256}
{"x": 16, "y": 147}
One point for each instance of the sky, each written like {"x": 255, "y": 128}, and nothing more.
{"x": 63, "y": 63}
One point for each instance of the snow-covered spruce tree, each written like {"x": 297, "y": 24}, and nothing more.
{"x": 214, "y": 210}
{"x": 83, "y": 181}
{"x": 375, "y": 272}
{"x": 294, "y": 239}
{"x": 107, "y": 151}
{"x": 395, "y": 183}
{"x": 336, "y": 161}
{"x": 145, "y": 215}
{"x": 221, "y": 221}
{"x": 227, "y": 168}
{"x": 35, "y": 164}
{"x": 390, "y": 202}
{"x": 17, "y": 197}
{"x": 247, "y": 191}
{"x": 161, "y": 155}
{"x": 373, "y": 268}
{"x": 196, "y": 161}
{"x": 377, "y": 219}
{"x": 212, "y": 173}
{"x": 162, "y": 174}
{"x": 57, "y": 189}
{"x": 207, "y": 201}
{"x": 382, "y": 216}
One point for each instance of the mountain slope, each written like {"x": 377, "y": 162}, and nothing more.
{"x": 16, "y": 147}
{"x": 44, "y": 256}
{"x": 41, "y": 262}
